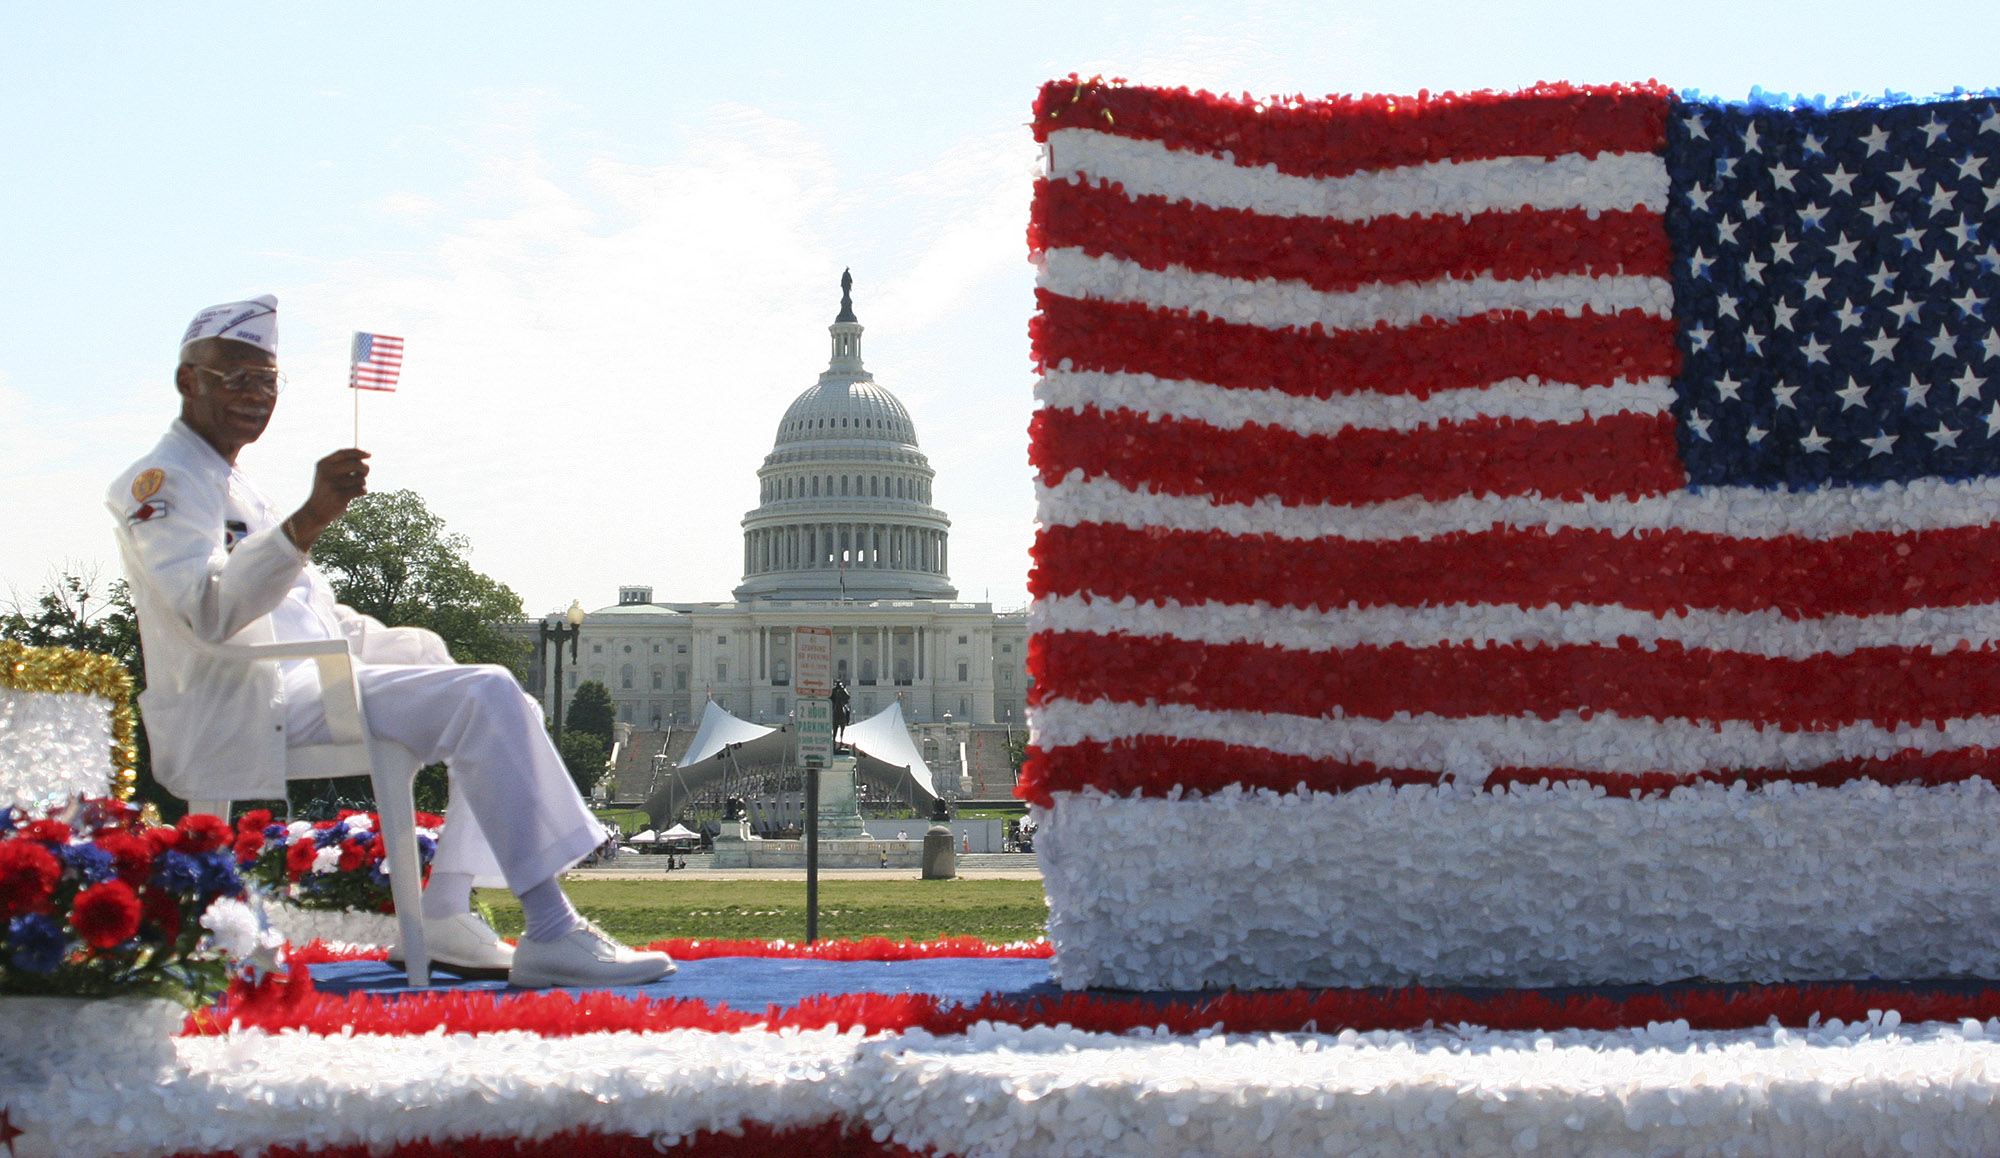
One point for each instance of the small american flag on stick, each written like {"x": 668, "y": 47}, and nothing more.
{"x": 377, "y": 361}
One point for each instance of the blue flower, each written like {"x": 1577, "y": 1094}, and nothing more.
{"x": 426, "y": 848}
{"x": 88, "y": 861}
{"x": 276, "y": 833}
{"x": 334, "y": 835}
{"x": 177, "y": 872}
{"x": 37, "y": 943}
{"x": 218, "y": 874}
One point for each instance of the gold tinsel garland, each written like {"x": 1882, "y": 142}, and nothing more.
{"x": 63, "y": 669}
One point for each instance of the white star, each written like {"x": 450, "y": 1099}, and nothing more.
{"x": 1876, "y": 140}
{"x": 1784, "y": 396}
{"x": 1993, "y": 421}
{"x": 1838, "y": 181}
{"x": 1816, "y": 284}
{"x": 1753, "y": 270}
{"x": 1698, "y": 263}
{"x": 1911, "y": 236}
{"x": 1969, "y": 167}
{"x": 1695, "y": 126}
{"x": 1855, "y": 395}
{"x": 1814, "y": 441}
{"x": 1963, "y": 231}
{"x": 1782, "y": 174}
{"x": 1698, "y": 337}
{"x": 1781, "y": 249}
{"x": 1814, "y": 350}
{"x": 1991, "y": 123}
{"x": 1754, "y": 342}
{"x": 1968, "y": 385}
{"x": 1812, "y": 216}
{"x": 1939, "y": 200}
{"x": 1750, "y": 137}
{"x": 1991, "y": 344}
{"x": 1969, "y": 303}
{"x": 1905, "y": 309}
{"x": 1916, "y": 393}
{"x": 1943, "y": 343}
{"x": 1726, "y": 388}
{"x": 1934, "y": 130}
{"x": 1814, "y": 145}
{"x": 1879, "y": 209}
{"x": 1944, "y": 436}
{"x": 1725, "y": 231}
{"x": 1908, "y": 177}
{"x": 1756, "y": 433}
{"x": 1725, "y": 167}
{"x": 1849, "y": 315}
{"x": 1884, "y": 346}
{"x": 1725, "y": 305}
{"x": 1753, "y": 206}
{"x": 1697, "y": 198}
{"x": 1938, "y": 266}
{"x": 1880, "y": 444}
{"x": 1843, "y": 250}
{"x": 1881, "y": 278}
{"x": 1699, "y": 425}
{"x": 1781, "y": 315}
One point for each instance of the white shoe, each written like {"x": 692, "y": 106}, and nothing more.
{"x": 584, "y": 957}
{"x": 462, "y": 944}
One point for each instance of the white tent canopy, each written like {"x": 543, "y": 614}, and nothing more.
{"x": 884, "y": 738}
{"x": 718, "y": 730}
{"x": 680, "y": 832}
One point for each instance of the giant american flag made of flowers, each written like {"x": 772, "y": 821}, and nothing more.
{"x": 1585, "y": 437}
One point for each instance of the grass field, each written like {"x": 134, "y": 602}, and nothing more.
{"x": 643, "y": 911}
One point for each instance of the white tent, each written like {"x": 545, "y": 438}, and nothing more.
{"x": 885, "y": 739}
{"x": 718, "y": 730}
{"x": 680, "y": 832}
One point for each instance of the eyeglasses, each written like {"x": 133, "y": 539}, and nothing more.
{"x": 249, "y": 380}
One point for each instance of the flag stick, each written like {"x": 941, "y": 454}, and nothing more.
{"x": 356, "y": 391}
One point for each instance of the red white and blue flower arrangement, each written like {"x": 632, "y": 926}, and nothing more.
{"x": 334, "y": 865}
{"x": 96, "y": 903}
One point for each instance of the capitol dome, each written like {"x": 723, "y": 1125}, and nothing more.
{"x": 845, "y": 495}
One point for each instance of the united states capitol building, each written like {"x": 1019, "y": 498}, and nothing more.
{"x": 843, "y": 537}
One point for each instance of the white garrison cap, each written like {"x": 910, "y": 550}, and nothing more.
{"x": 254, "y": 322}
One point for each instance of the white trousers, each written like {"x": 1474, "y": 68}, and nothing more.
{"x": 515, "y": 816}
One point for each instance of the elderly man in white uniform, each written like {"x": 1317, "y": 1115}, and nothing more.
{"x": 225, "y": 561}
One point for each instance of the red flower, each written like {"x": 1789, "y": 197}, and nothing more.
{"x": 202, "y": 833}
{"x": 352, "y": 855}
{"x": 131, "y": 854}
{"x": 53, "y": 831}
{"x": 299, "y": 859}
{"x": 106, "y": 914}
{"x": 256, "y": 820}
{"x": 248, "y": 845}
{"x": 28, "y": 875}
{"x": 428, "y": 820}
{"x": 161, "y": 839}
{"x": 162, "y": 910}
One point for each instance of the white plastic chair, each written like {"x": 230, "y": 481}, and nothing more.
{"x": 390, "y": 767}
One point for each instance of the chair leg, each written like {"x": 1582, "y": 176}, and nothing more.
{"x": 210, "y": 807}
{"x": 395, "y": 806}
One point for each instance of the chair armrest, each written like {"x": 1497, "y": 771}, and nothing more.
{"x": 289, "y": 649}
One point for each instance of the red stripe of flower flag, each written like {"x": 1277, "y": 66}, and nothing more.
{"x": 376, "y": 363}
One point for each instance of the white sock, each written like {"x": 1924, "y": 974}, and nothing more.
{"x": 548, "y": 912}
{"x": 447, "y": 895}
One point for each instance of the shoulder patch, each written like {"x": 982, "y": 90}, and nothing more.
{"x": 148, "y": 511}
{"x": 148, "y": 484}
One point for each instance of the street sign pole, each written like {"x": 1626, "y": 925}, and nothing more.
{"x": 812, "y": 651}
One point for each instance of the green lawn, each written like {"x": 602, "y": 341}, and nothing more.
{"x": 642, "y": 911}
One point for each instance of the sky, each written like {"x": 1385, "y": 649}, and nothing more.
{"x": 612, "y": 234}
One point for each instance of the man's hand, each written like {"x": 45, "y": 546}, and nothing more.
{"x": 338, "y": 479}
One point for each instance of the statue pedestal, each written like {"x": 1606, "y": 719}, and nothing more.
{"x": 839, "y": 815}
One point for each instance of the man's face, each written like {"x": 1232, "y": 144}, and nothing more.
{"x": 227, "y": 418}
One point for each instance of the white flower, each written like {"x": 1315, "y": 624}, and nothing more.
{"x": 327, "y": 859}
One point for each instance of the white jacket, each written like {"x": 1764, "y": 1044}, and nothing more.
{"x": 214, "y": 555}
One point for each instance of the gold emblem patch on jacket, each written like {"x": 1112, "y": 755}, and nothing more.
{"x": 148, "y": 484}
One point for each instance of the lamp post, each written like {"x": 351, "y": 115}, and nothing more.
{"x": 558, "y": 628}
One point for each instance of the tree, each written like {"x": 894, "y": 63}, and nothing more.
{"x": 584, "y": 754}
{"x": 77, "y": 610}
{"x": 391, "y": 558}
{"x": 590, "y": 711}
